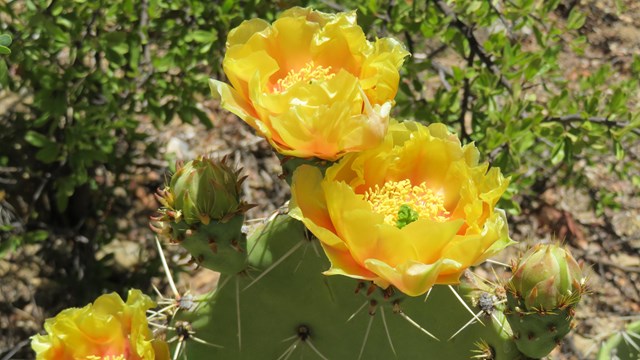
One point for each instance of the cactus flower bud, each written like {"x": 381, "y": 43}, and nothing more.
{"x": 546, "y": 284}
{"x": 547, "y": 277}
{"x": 203, "y": 190}
{"x": 202, "y": 211}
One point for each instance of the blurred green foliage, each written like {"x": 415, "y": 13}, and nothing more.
{"x": 86, "y": 77}
{"x": 492, "y": 70}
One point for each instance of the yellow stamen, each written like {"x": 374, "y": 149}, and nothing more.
{"x": 387, "y": 200}
{"x": 108, "y": 357}
{"x": 308, "y": 74}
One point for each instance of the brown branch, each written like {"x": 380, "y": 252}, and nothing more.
{"x": 474, "y": 44}
{"x": 464, "y": 106}
{"x": 575, "y": 118}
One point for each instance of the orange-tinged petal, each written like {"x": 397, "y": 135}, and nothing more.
{"x": 363, "y": 215}
{"x": 299, "y": 82}
{"x": 412, "y": 278}
{"x": 430, "y": 237}
{"x": 342, "y": 263}
{"x": 308, "y": 180}
{"x": 291, "y": 42}
{"x": 246, "y": 66}
{"x": 108, "y": 328}
{"x": 352, "y": 218}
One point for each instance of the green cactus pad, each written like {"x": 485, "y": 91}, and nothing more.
{"x": 537, "y": 333}
{"x": 218, "y": 247}
{"x": 623, "y": 345}
{"x": 283, "y": 304}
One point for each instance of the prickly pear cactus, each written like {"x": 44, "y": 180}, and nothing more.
{"x": 273, "y": 301}
{"x": 546, "y": 285}
{"x": 282, "y": 305}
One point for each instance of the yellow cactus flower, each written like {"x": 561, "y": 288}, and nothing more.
{"x": 310, "y": 82}
{"x": 108, "y": 329}
{"x": 416, "y": 211}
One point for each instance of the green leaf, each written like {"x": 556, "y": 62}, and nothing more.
{"x": 36, "y": 236}
{"x": 202, "y": 36}
{"x": 473, "y": 6}
{"x": 9, "y": 245}
{"x": 619, "y": 150}
{"x": 557, "y": 155}
{"x": 576, "y": 19}
{"x": 4, "y": 50}
{"x": 36, "y": 139}
{"x": 4, "y": 73}
{"x": 164, "y": 63}
{"x": 49, "y": 153}
{"x": 5, "y": 40}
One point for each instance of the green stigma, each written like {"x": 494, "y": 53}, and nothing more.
{"x": 406, "y": 215}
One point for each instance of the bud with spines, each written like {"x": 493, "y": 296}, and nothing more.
{"x": 546, "y": 285}
{"x": 202, "y": 211}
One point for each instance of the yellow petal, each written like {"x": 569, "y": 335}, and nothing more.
{"x": 379, "y": 73}
{"x": 299, "y": 83}
{"x": 361, "y": 243}
{"x": 308, "y": 198}
{"x": 412, "y": 278}
{"x": 342, "y": 263}
{"x": 247, "y": 29}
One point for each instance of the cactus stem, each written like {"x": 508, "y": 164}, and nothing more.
{"x": 366, "y": 337}
{"x": 386, "y": 330}
{"x": 276, "y": 263}
{"x": 357, "y": 311}
{"x": 475, "y": 316}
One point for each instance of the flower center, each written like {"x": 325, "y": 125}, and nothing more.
{"x": 309, "y": 74}
{"x": 108, "y": 357}
{"x": 402, "y": 203}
